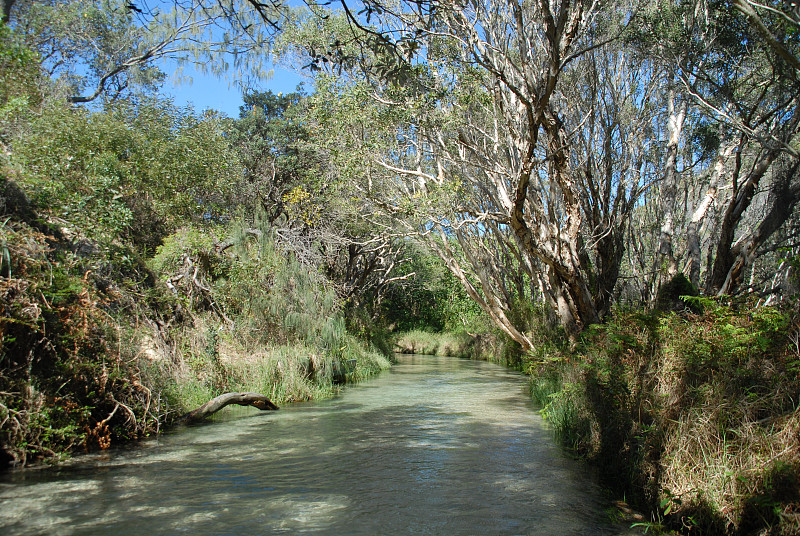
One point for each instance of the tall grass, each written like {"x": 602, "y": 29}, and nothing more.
{"x": 691, "y": 416}
{"x": 443, "y": 344}
{"x": 559, "y": 395}
{"x": 286, "y": 373}
{"x": 277, "y": 326}
{"x": 488, "y": 346}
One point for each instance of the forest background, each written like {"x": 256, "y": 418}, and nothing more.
{"x": 600, "y": 194}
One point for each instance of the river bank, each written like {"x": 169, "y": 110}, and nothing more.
{"x": 485, "y": 346}
{"x": 691, "y": 416}
{"x": 101, "y": 345}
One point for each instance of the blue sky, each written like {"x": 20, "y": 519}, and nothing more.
{"x": 208, "y": 91}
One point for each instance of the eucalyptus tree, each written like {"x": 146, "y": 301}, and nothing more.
{"x": 109, "y": 47}
{"x": 614, "y": 100}
{"x": 470, "y": 134}
{"x": 532, "y": 148}
{"x": 738, "y": 93}
{"x": 137, "y": 172}
{"x": 756, "y": 94}
{"x": 777, "y": 23}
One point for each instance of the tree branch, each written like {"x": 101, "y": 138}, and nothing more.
{"x": 255, "y": 400}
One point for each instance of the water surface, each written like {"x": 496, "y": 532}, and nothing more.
{"x": 438, "y": 446}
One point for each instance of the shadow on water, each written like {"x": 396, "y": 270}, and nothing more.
{"x": 437, "y": 446}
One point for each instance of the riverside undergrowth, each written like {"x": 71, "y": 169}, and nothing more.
{"x": 101, "y": 347}
{"x": 485, "y": 345}
{"x": 691, "y": 416}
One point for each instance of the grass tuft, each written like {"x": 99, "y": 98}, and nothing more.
{"x": 693, "y": 417}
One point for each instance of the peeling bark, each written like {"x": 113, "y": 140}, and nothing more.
{"x": 670, "y": 188}
{"x": 744, "y": 191}
{"x": 693, "y": 231}
{"x": 785, "y": 197}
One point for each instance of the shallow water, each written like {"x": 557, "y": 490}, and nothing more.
{"x": 435, "y": 446}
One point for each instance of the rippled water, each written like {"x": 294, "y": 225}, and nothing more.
{"x": 435, "y": 446}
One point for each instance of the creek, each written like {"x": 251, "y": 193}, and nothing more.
{"x": 436, "y": 445}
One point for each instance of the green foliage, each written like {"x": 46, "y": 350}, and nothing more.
{"x": 93, "y": 350}
{"x": 247, "y": 317}
{"x": 272, "y": 142}
{"x": 112, "y": 49}
{"x": 19, "y": 74}
{"x": 684, "y": 414}
{"x": 82, "y": 41}
{"x": 64, "y": 376}
{"x": 134, "y": 172}
{"x": 280, "y": 297}
{"x": 432, "y": 300}
{"x": 729, "y": 335}
{"x": 563, "y": 410}
{"x": 660, "y": 26}
{"x": 428, "y": 343}
{"x": 671, "y": 294}
{"x": 773, "y": 504}
{"x": 264, "y": 292}
{"x": 192, "y": 240}
{"x": 373, "y": 332}
{"x": 487, "y": 346}
{"x": 20, "y": 67}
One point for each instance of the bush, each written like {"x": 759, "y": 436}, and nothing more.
{"x": 687, "y": 415}
{"x": 261, "y": 319}
{"x": 94, "y": 352}
{"x": 136, "y": 172}
{"x": 66, "y": 380}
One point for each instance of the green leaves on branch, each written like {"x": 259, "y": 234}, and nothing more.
{"x": 137, "y": 172}
{"x": 19, "y": 77}
{"x": 110, "y": 48}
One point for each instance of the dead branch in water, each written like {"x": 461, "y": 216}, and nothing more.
{"x": 241, "y": 399}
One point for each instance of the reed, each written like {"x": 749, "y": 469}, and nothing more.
{"x": 455, "y": 344}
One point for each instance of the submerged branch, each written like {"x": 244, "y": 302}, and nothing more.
{"x": 241, "y": 399}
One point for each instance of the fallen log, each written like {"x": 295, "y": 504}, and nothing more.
{"x": 215, "y": 404}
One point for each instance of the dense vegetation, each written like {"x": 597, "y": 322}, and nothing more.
{"x": 691, "y": 415}
{"x": 142, "y": 274}
{"x": 603, "y": 195}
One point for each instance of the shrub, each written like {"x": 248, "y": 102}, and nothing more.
{"x": 691, "y": 416}
{"x": 66, "y": 381}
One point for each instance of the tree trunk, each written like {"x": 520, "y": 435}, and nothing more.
{"x": 670, "y": 188}
{"x": 5, "y": 15}
{"x": 492, "y": 306}
{"x": 610, "y": 251}
{"x": 693, "y": 231}
{"x": 785, "y": 197}
{"x": 256, "y": 400}
{"x": 720, "y": 281}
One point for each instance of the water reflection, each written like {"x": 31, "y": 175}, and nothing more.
{"x": 436, "y": 446}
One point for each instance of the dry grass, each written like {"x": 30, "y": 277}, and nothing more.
{"x": 718, "y": 457}
{"x": 694, "y": 418}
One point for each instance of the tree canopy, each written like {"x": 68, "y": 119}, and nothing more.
{"x": 579, "y": 154}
